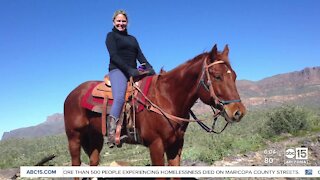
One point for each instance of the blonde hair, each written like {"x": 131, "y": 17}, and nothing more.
{"x": 116, "y": 13}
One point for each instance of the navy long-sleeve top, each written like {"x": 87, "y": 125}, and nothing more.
{"x": 124, "y": 51}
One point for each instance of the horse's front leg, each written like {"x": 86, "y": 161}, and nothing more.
{"x": 174, "y": 153}
{"x": 156, "y": 149}
{"x": 95, "y": 149}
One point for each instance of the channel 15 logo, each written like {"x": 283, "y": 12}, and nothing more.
{"x": 296, "y": 155}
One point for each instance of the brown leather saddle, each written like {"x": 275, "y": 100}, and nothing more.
{"x": 103, "y": 90}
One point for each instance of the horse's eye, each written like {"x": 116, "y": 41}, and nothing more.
{"x": 217, "y": 77}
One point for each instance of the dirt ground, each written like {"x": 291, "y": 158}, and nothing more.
{"x": 274, "y": 154}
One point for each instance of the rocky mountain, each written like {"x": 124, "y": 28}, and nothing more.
{"x": 53, "y": 125}
{"x": 301, "y": 87}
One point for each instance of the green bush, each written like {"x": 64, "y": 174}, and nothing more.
{"x": 237, "y": 138}
{"x": 286, "y": 119}
{"x": 314, "y": 121}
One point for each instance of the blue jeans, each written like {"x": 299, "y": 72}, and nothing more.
{"x": 119, "y": 86}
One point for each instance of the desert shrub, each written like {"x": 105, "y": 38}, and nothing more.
{"x": 28, "y": 152}
{"x": 286, "y": 119}
{"x": 209, "y": 149}
{"x": 237, "y": 138}
{"x": 314, "y": 120}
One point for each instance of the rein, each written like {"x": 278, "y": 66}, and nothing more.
{"x": 207, "y": 86}
{"x": 205, "y": 127}
{"x": 155, "y": 108}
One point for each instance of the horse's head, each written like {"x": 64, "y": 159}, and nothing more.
{"x": 218, "y": 85}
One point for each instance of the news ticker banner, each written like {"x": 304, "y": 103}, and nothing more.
{"x": 169, "y": 171}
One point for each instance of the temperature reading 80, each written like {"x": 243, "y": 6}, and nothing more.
{"x": 268, "y": 160}
{"x": 269, "y": 155}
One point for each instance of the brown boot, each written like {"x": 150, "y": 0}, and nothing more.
{"x": 111, "y": 125}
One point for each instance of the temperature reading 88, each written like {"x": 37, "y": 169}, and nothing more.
{"x": 268, "y": 153}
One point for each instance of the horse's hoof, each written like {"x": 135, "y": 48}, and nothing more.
{"x": 110, "y": 145}
{"x": 119, "y": 145}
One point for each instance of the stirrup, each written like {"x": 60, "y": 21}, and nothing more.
{"x": 123, "y": 139}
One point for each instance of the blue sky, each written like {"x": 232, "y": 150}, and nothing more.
{"x": 48, "y": 47}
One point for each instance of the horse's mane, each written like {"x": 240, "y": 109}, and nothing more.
{"x": 187, "y": 63}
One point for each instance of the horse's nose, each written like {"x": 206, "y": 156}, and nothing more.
{"x": 237, "y": 115}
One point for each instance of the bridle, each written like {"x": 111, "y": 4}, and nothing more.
{"x": 218, "y": 102}
{"x": 208, "y": 87}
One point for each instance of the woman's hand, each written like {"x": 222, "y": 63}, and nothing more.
{"x": 151, "y": 72}
{"x": 138, "y": 75}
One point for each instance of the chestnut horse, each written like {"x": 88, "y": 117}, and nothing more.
{"x": 208, "y": 77}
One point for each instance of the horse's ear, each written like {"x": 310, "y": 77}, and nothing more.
{"x": 214, "y": 52}
{"x": 226, "y": 50}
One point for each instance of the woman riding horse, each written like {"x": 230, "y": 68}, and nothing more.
{"x": 208, "y": 77}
